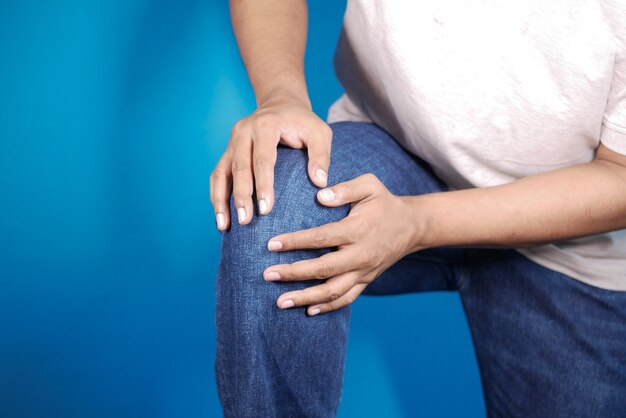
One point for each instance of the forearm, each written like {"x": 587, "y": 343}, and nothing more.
{"x": 271, "y": 35}
{"x": 567, "y": 203}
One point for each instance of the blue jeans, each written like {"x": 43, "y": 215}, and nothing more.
{"x": 547, "y": 345}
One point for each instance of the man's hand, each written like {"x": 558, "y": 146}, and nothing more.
{"x": 376, "y": 233}
{"x": 249, "y": 160}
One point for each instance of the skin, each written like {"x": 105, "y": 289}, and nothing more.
{"x": 381, "y": 228}
{"x": 272, "y": 36}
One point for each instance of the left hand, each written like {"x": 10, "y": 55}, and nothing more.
{"x": 377, "y": 232}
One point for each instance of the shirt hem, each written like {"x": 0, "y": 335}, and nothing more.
{"x": 607, "y": 282}
{"x": 613, "y": 139}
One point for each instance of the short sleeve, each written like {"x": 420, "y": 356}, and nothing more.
{"x": 613, "y": 133}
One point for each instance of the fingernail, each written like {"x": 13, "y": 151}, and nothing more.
{"x": 274, "y": 245}
{"x": 262, "y": 206}
{"x": 272, "y": 275}
{"x": 327, "y": 195}
{"x": 315, "y": 311}
{"x": 241, "y": 214}
{"x": 321, "y": 175}
{"x": 287, "y": 304}
{"x": 220, "y": 220}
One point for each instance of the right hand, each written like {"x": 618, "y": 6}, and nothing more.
{"x": 249, "y": 159}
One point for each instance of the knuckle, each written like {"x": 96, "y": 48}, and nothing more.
{"x": 238, "y": 128}
{"x": 349, "y": 299}
{"x": 239, "y": 166}
{"x": 219, "y": 202}
{"x": 359, "y": 224}
{"x": 305, "y": 299}
{"x": 262, "y": 190}
{"x": 218, "y": 174}
{"x": 322, "y": 271}
{"x": 320, "y": 238}
{"x": 332, "y": 294}
{"x": 350, "y": 238}
{"x": 290, "y": 242}
{"x": 265, "y": 122}
{"x": 240, "y": 198}
{"x": 343, "y": 190}
{"x": 260, "y": 163}
{"x": 323, "y": 159}
{"x": 370, "y": 177}
{"x": 368, "y": 258}
{"x": 362, "y": 263}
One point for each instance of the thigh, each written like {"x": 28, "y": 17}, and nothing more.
{"x": 428, "y": 270}
{"x": 360, "y": 148}
{"x": 547, "y": 345}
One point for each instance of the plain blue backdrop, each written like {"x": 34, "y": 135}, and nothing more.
{"x": 112, "y": 115}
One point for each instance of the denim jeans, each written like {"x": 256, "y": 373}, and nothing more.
{"x": 547, "y": 345}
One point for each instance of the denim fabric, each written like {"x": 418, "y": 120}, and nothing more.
{"x": 547, "y": 345}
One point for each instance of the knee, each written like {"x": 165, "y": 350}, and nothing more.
{"x": 295, "y": 208}
{"x": 244, "y": 247}
{"x": 244, "y": 252}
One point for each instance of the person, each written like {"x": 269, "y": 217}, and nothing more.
{"x": 478, "y": 147}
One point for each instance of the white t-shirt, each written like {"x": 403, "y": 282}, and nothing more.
{"x": 491, "y": 91}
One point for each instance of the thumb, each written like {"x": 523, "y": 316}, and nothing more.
{"x": 318, "y": 146}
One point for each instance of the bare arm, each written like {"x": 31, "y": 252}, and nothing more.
{"x": 272, "y": 36}
{"x": 571, "y": 202}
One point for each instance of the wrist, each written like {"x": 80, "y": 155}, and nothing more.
{"x": 284, "y": 91}
{"x": 285, "y": 98}
{"x": 422, "y": 219}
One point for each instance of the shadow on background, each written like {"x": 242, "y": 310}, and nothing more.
{"x": 112, "y": 115}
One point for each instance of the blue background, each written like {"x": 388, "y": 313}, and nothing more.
{"x": 112, "y": 115}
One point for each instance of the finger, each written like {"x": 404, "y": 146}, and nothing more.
{"x": 220, "y": 184}
{"x": 318, "y": 147}
{"x": 328, "y": 265}
{"x": 357, "y": 189}
{"x": 264, "y": 160}
{"x": 326, "y": 292}
{"x": 331, "y": 234}
{"x": 242, "y": 179}
{"x": 346, "y": 299}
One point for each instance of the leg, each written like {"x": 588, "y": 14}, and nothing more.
{"x": 282, "y": 363}
{"x": 547, "y": 345}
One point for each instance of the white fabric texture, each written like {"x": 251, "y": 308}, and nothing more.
{"x": 492, "y": 91}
